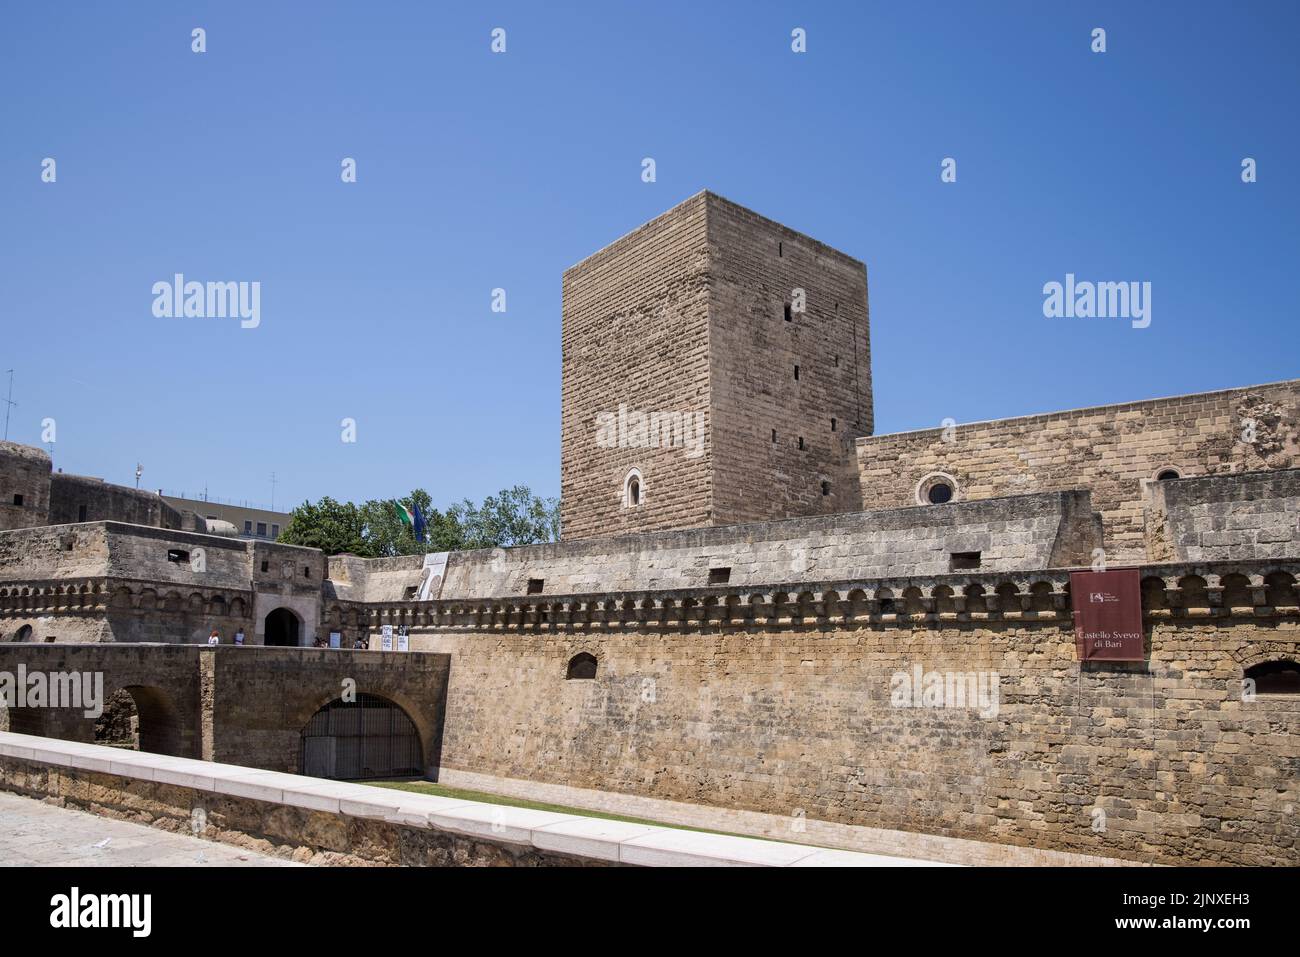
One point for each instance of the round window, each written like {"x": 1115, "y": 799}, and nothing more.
{"x": 937, "y": 488}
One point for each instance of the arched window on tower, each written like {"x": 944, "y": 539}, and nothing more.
{"x": 633, "y": 489}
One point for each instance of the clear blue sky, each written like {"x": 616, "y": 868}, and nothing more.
{"x": 478, "y": 170}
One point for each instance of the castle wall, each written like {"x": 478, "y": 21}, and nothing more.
{"x": 24, "y": 486}
{"x": 1111, "y": 450}
{"x": 244, "y": 706}
{"x": 106, "y": 581}
{"x": 1028, "y": 532}
{"x": 1222, "y": 517}
{"x": 1164, "y": 762}
{"x": 635, "y": 334}
{"x": 78, "y": 498}
{"x": 756, "y": 266}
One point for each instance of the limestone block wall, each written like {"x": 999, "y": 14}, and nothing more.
{"x": 80, "y": 498}
{"x": 635, "y": 334}
{"x": 776, "y": 438}
{"x": 54, "y": 552}
{"x": 245, "y": 706}
{"x": 1049, "y": 530}
{"x": 795, "y": 712}
{"x": 1214, "y": 518}
{"x": 172, "y": 557}
{"x": 24, "y": 486}
{"x": 1112, "y": 450}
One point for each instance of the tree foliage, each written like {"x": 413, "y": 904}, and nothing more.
{"x": 514, "y": 516}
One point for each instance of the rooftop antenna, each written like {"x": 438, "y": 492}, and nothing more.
{"x": 139, "y": 470}
{"x": 273, "y": 491}
{"x": 9, "y": 402}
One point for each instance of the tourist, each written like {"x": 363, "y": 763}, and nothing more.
{"x": 214, "y": 638}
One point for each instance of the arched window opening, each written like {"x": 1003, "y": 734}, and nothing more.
{"x": 1275, "y": 677}
{"x": 633, "y": 489}
{"x": 1166, "y": 474}
{"x": 582, "y": 666}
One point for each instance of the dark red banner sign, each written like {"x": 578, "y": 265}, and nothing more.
{"x": 1107, "y": 615}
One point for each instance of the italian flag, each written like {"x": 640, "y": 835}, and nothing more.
{"x": 404, "y": 514}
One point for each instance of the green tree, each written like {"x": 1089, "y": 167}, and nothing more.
{"x": 388, "y": 535}
{"x": 331, "y": 526}
{"x": 514, "y": 516}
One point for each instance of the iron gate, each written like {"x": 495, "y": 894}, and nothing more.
{"x": 367, "y": 738}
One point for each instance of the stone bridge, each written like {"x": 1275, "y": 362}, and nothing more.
{"x": 236, "y": 705}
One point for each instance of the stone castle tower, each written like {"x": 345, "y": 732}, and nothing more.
{"x": 716, "y": 370}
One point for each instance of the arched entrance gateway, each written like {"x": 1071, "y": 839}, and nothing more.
{"x": 370, "y": 737}
{"x": 281, "y": 628}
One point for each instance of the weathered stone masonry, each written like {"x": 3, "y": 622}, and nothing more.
{"x": 779, "y": 701}
{"x": 1112, "y": 450}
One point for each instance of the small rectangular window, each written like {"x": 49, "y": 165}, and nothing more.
{"x": 801, "y": 443}
{"x": 306, "y": 571}
{"x": 178, "y": 556}
{"x": 787, "y": 313}
{"x": 261, "y": 529}
{"x": 719, "y": 576}
{"x": 265, "y": 565}
{"x": 963, "y": 561}
{"x": 832, "y": 425}
{"x": 796, "y": 373}
{"x": 826, "y": 488}
{"x": 774, "y": 435}
{"x": 275, "y": 531}
{"x": 81, "y": 513}
{"x": 535, "y": 585}
{"x": 18, "y": 499}
{"x": 248, "y": 528}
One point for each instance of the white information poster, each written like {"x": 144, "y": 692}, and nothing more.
{"x": 336, "y": 639}
{"x": 387, "y": 637}
{"x": 403, "y": 642}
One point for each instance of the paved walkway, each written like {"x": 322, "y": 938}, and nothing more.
{"x": 35, "y": 834}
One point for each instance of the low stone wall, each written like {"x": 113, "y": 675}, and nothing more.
{"x": 1255, "y": 515}
{"x": 329, "y": 822}
{"x": 1052, "y": 530}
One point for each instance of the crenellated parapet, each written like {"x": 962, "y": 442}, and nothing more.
{"x": 1253, "y": 589}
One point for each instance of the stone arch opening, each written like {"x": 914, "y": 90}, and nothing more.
{"x": 1275, "y": 677}
{"x": 141, "y": 718}
{"x": 582, "y": 667}
{"x": 371, "y": 737}
{"x": 281, "y": 628}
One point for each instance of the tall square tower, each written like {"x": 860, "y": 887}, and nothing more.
{"x": 716, "y": 370}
